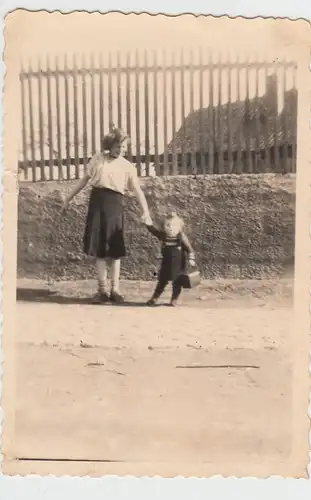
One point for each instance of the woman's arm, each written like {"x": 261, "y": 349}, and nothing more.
{"x": 135, "y": 185}
{"x": 78, "y": 187}
{"x": 83, "y": 182}
{"x": 156, "y": 232}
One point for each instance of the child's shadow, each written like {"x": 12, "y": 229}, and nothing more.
{"x": 128, "y": 304}
{"x": 47, "y": 296}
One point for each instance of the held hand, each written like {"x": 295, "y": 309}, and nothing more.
{"x": 192, "y": 260}
{"x": 146, "y": 219}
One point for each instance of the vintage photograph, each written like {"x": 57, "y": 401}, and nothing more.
{"x": 156, "y": 173}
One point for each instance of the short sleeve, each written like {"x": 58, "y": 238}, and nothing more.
{"x": 131, "y": 174}
{"x": 92, "y": 165}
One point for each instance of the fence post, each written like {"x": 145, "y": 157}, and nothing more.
{"x": 267, "y": 147}
{"x": 239, "y": 136}
{"x": 24, "y": 132}
{"x": 155, "y": 115}
{"x": 75, "y": 119}
{"x": 67, "y": 117}
{"x": 201, "y": 111}
{"x": 193, "y": 155}
{"x": 285, "y": 149}
{"x": 258, "y": 161}
{"x": 93, "y": 112}
{"x": 119, "y": 100}
{"x": 249, "y": 162}
{"x": 40, "y": 122}
{"x": 277, "y": 122}
{"x": 183, "y": 115}
{"x": 146, "y": 95}
{"x": 50, "y": 123}
{"x": 173, "y": 169}
{"x": 110, "y": 91}
{"x": 84, "y": 117}
{"x": 294, "y": 123}
{"x": 58, "y": 123}
{"x": 31, "y": 125}
{"x": 211, "y": 116}
{"x": 128, "y": 106}
{"x": 101, "y": 101}
{"x": 164, "y": 69}
{"x": 229, "y": 168}
{"x": 137, "y": 113}
{"x": 220, "y": 138}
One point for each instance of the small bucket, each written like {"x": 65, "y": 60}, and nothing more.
{"x": 190, "y": 279}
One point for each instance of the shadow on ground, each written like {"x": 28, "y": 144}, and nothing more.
{"x": 48, "y": 296}
{"x": 209, "y": 294}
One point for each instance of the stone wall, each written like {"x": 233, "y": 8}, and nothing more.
{"x": 241, "y": 226}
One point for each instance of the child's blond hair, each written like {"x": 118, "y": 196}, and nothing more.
{"x": 172, "y": 215}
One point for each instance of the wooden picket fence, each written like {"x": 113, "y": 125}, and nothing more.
{"x": 185, "y": 113}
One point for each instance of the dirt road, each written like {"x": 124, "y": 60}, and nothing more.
{"x": 208, "y": 382}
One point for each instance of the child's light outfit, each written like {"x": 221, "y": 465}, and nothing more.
{"x": 176, "y": 251}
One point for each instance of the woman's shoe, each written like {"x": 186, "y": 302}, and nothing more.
{"x": 100, "y": 298}
{"x": 116, "y": 297}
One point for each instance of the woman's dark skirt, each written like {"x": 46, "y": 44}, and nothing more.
{"x": 103, "y": 237}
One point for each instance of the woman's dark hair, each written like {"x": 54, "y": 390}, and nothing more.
{"x": 116, "y": 136}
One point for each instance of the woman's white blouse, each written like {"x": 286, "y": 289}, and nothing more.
{"x": 115, "y": 174}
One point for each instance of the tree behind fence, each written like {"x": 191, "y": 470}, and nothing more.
{"x": 185, "y": 112}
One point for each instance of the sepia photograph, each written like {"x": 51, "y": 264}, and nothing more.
{"x": 157, "y": 259}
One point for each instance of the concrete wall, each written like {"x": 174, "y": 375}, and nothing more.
{"x": 240, "y": 226}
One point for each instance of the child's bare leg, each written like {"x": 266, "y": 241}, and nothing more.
{"x": 177, "y": 288}
{"x": 161, "y": 285}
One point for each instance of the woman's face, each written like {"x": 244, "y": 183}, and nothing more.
{"x": 118, "y": 149}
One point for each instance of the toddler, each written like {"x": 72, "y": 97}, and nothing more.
{"x": 176, "y": 252}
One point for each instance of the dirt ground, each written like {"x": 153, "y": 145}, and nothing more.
{"x": 208, "y": 382}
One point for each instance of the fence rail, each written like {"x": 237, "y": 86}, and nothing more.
{"x": 284, "y": 151}
{"x": 184, "y": 112}
{"x": 150, "y": 69}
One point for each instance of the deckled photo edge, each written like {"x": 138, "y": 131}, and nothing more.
{"x": 302, "y": 279}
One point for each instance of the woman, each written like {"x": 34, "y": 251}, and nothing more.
{"x": 109, "y": 175}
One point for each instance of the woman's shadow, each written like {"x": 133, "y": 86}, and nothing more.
{"x": 47, "y": 296}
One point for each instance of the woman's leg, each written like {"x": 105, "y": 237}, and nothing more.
{"x": 115, "y": 274}
{"x": 115, "y": 280}
{"x": 102, "y": 275}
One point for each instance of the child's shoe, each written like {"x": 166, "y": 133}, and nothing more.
{"x": 173, "y": 303}
{"x": 152, "y": 302}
